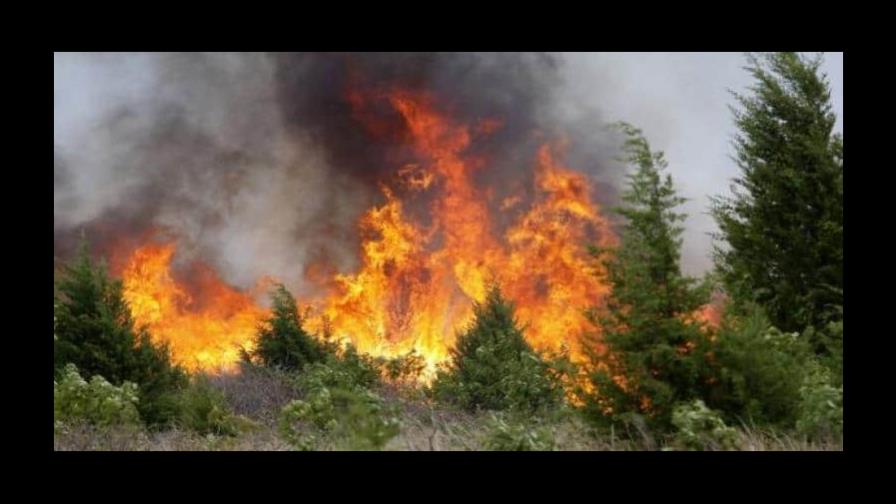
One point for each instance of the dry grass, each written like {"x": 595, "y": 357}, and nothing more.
{"x": 260, "y": 394}
{"x": 255, "y": 392}
{"x": 120, "y": 438}
{"x": 442, "y": 432}
{"x": 755, "y": 439}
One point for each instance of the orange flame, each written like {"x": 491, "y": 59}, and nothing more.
{"x": 416, "y": 283}
{"x": 207, "y": 337}
{"x": 415, "y": 287}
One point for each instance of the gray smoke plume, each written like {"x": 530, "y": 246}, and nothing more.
{"x": 255, "y": 162}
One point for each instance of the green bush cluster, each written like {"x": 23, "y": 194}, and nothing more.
{"x": 765, "y": 376}
{"x": 700, "y": 428}
{"x": 97, "y": 401}
{"x": 829, "y": 340}
{"x": 202, "y": 409}
{"x": 820, "y": 410}
{"x": 337, "y": 406}
{"x": 94, "y": 330}
{"x": 758, "y": 370}
{"x": 492, "y": 366}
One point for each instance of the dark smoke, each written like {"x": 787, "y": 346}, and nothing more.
{"x": 256, "y": 164}
{"x": 312, "y": 87}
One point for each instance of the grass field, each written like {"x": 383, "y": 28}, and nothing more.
{"x": 425, "y": 426}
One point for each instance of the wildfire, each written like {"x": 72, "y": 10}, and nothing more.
{"x": 416, "y": 285}
{"x": 417, "y": 278}
{"x": 202, "y": 335}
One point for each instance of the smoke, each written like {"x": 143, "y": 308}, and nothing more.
{"x": 257, "y": 163}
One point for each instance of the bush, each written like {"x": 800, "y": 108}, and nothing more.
{"x": 405, "y": 368}
{"x": 821, "y": 405}
{"x": 347, "y": 369}
{"x": 159, "y": 380}
{"x": 493, "y": 367}
{"x": 504, "y": 435}
{"x": 203, "y": 409}
{"x": 94, "y": 330}
{"x": 353, "y": 419}
{"x": 828, "y": 340}
{"x": 338, "y": 405}
{"x": 282, "y": 341}
{"x": 356, "y": 369}
{"x": 96, "y": 402}
{"x": 700, "y": 428}
{"x": 758, "y": 370}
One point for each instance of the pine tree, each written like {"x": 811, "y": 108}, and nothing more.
{"x": 493, "y": 367}
{"x": 650, "y": 356}
{"x": 94, "y": 330}
{"x": 782, "y": 229}
{"x": 282, "y": 341}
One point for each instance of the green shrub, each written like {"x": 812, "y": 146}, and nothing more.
{"x": 700, "y": 428}
{"x": 758, "y": 370}
{"x": 829, "y": 342}
{"x": 94, "y": 330}
{"x": 821, "y": 405}
{"x": 357, "y": 369}
{"x": 338, "y": 405}
{"x": 493, "y": 367}
{"x": 506, "y": 435}
{"x": 405, "y": 368}
{"x": 203, "y": 409}
{"x": 282, "y": 341}
{"x": 353, "y": 419}
{"x": 347, "y": 369}
{"x": 97, "y": 402}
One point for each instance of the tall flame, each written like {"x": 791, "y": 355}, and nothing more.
{"x": 416, "y": 281}
{"x": 416, "y": 285}
{"x": 207, "y": 337}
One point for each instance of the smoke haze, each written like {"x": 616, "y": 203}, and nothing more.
{"x": 258, "y": 164}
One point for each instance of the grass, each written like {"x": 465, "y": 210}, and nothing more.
{"x": 259, "y": 394}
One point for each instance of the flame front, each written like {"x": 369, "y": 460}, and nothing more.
{"x": 416, "y": 284}
{"x": 417, "y": 280}
{"x": 208, "y": 337}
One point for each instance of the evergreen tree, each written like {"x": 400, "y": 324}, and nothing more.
{"x": 651, "y": 352}
{"x": 783, "y": 227}
{"x": 282, "y": 341}
{"x": 94, "y": 331}
{"x": 493, "y": 367}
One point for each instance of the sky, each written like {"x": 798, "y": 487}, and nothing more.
{"x": 679, "y": 100}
